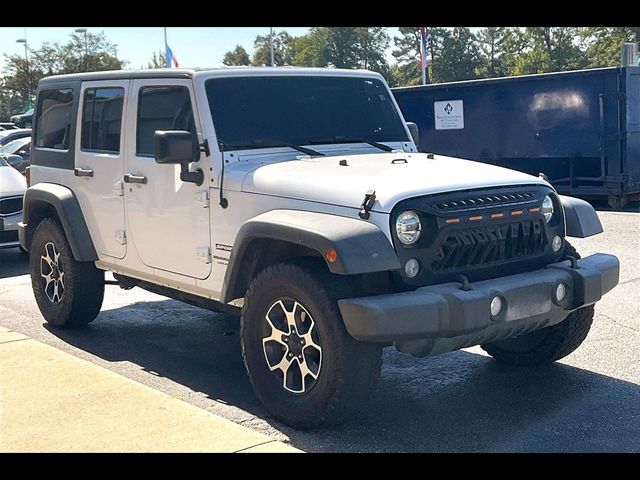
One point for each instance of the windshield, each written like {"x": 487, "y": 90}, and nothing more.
{"x": 3, "y": 162}
{"x": 14, "y": 145}
{"x": 301, "y": 110}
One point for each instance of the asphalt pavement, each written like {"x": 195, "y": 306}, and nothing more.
{"x": 461, "y": 401}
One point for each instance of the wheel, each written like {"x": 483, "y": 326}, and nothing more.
{"x": 547, "y": 344}
{"x": 69, "y": 293}
{"x": 617, "y": 202}
{"x": 303, "y": 365}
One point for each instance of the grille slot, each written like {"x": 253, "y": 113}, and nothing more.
{"x": 478, "y": 201}
{"x": 489, "y": 244}
{"x": 10, "y": 205}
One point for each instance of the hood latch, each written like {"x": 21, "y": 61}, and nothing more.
{"x": 367, "y": 204}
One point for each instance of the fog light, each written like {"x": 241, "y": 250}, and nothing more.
{"x": 412, "y": 267}
{"x": 556, "y": 243}
{"x": 496, "y": 306}
{"x": 561, "y": 292}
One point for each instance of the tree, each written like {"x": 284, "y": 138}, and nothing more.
{"x": 549, "y": 49}
{"x": 77, "y": 55}
{"x": 602, "y": 44}
{"x": 237, "y": 56}
{"x": 459, "y": 56}
{"x": 491, "y": 43}
{"x": 158, "y": 60}
{"x": 407, "y": 53}
{"x": 262, "y": 49}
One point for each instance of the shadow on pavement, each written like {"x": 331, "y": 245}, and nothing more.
{"x": 459, "y": 401}
{"x": 13, "y": 263}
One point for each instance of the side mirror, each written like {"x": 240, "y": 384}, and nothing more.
{"x": 415, "y": 133}
{"x": 13, "y": 159}
{"x": 179, "y": 147}
{"x": 175, "y": 147}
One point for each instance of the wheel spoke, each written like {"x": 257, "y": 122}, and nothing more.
{"x": 305, "y": 370}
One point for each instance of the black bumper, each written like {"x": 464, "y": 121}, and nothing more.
{"x": 447, "y": 312}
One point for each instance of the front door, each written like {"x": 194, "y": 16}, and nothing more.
{"x": 99, "y": 164}
{"x": 167, "y": 219}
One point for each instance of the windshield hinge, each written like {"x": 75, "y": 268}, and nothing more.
{"x": 202, "y": 197}
{"x": 204, "y": 147}
{"x": 367, "y": 204}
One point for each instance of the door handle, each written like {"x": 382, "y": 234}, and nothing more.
{"x": 83, "y": 172}
{"x": 128, "y": 178}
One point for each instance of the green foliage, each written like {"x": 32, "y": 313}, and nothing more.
{"x": 262, "y": 49}
{"x": 237, "y": 56}
{"x": 158, "y": 60}
{"x": 79, "y": 54}
{"x": 603, "y": 44}
{"x": 491, "y": 44}
{"x": 548, "y": 49}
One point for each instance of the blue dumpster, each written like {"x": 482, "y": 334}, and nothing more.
{"x": 580, "y": 128}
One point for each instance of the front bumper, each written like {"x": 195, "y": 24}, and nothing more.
{"x": 9, "y": 230}
{"x": 444, "y": 317}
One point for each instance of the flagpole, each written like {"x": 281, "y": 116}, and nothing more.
{"x": 167, "y": 59}
{"x": 423, "y": 54}
{"x": 273, "y": 61}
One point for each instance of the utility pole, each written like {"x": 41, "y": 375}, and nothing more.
{"x": 86, "y": 50}
{"x": 27, "y": 70}
{"x": 273, "y": 57}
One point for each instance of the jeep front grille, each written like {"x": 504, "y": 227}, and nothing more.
{"x": 10, "y": 205}
{"x": 489, "y": 244}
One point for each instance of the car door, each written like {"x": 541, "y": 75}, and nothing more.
{"x": 167, "y": 219}
{"x": 99, "y": 163}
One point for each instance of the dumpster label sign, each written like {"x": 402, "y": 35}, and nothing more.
{"x": 449, "y": 115}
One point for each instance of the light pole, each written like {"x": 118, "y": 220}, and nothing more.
{"x": 115, "y": 50}
{"x": 273, "y": 60}
{"x": 86, "y": 60}
{"x": 26, "y": 64}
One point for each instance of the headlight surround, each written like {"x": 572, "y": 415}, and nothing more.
{"x": 547, "y": 208}
{"x": 408, "y": 227}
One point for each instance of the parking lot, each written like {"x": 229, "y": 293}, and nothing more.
{"x": 461, "y": 401}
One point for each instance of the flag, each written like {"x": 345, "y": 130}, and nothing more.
{"x": 172, "y": 62}
{"x": 423, "y": 54}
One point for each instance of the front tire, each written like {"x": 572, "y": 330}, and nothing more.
{"x": 69, "y": 293}
{"x": 547, "y": 344}
{"x": 303, "y": 365}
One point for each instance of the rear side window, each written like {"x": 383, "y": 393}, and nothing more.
{"x": 53, "y": 120}
{"x": 102, "y": 119}
{"x": 162, "y": 108}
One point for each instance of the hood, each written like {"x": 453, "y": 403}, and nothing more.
{"x": 394, "y": 177}
{"x": 11, "y": 182}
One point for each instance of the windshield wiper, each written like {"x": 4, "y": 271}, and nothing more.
{"x": 343, "y": 139}
{"x": 275, "y": 144}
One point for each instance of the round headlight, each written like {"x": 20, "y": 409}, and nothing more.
{"x": 408, "y": 227}
{"x": 547, "y": 208}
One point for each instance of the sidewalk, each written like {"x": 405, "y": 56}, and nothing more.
{"x": 51, "y": 401}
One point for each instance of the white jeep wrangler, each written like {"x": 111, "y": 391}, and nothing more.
{"x": 296, "y": 198}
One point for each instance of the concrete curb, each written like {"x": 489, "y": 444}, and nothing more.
{"x": 51, "y": 401}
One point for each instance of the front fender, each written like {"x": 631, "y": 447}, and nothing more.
{"x": 581, "y": 218}
{"x": 361, "y": 246}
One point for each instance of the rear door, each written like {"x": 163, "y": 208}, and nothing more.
{"x": 99, "y": 164}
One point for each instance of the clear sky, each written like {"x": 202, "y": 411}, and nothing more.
{"x": 192, "y": 46}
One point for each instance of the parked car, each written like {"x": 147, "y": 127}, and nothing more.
{"x": 7, "y": 136}
{"x": 23, "y": 120}
{"x": 12, "y": 188}
{"x": 297, "y": 200}
{"x": 17, "y": 153}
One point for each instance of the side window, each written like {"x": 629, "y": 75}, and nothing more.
{"x": 102, "y": 119}
{"x": 162, "y": 108}
{"x": 53, "y": 118}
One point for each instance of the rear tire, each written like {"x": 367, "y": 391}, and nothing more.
{"x": 69, "y": 293}
{"x": 547, "y": 344}
{"x": 303, "y": 365}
